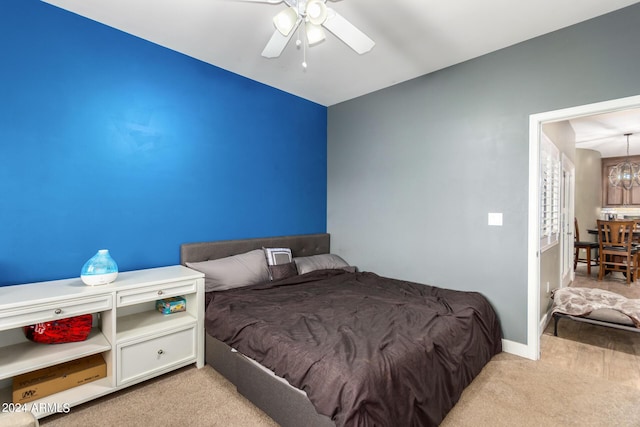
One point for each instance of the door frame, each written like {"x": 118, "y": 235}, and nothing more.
{"x": 532, "y": 350}
{"x": 567, "y": 212}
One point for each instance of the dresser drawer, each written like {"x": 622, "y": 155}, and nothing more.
{"x": 37, "y": 313}
{"x": 152, "y": 293}
{"x": 144, "y": 358}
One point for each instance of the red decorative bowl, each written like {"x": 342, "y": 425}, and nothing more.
{"x": 71, "y": 329}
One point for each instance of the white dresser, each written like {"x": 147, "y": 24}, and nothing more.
{"x": 136, "y": 341}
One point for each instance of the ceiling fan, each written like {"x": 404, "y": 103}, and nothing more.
{"x": 314, "y": 15}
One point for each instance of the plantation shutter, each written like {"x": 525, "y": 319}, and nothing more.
{"x": 549, "y": 193}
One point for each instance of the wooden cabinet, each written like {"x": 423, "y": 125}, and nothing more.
{"x": 618, "y": 196}
{"x": 136, "y": 341}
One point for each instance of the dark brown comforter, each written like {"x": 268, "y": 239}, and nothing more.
{"x": 367, "y": 350}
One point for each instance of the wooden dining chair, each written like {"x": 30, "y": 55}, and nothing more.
{"x": 590, "y": 249}
{"x": 636, "y": 235}
{"x": 617, "y": 251}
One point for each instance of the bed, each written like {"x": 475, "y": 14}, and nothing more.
{"x": 348, "y": 347}
{"x": 595, "y": 306}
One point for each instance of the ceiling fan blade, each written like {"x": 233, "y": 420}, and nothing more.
{"x": 278, "y": 42}
{"x": 347, "y": 32}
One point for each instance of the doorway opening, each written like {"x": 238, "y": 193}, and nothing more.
{"x": 532, "y": 350}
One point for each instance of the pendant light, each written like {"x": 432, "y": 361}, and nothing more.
{"x": 625, "y": 174}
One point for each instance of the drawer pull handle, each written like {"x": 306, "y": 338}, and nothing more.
{"x": 58, "y": 311}
{"x": 160, "y": 352}
{"x": 160, "y": 292}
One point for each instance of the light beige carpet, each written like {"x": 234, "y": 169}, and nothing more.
{"x": 510, "y": 391}
{"x": 187, "y": 397}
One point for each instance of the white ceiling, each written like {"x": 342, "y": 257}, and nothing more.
{"x": 413, "y": 37}
{"x": 606, "y": 132}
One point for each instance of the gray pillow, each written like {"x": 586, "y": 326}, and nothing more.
{"x": 245, "y": 269}
{"x": 283, "y": 271}
{"x": 319, "y": 262}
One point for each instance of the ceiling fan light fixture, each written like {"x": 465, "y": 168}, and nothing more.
{"x": 316, "y": 11}
{"x": 312, "y": 14}
{"x": 286, "y": 20}
{"x": 315, "y": 33}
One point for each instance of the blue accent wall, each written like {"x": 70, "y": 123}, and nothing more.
{"x": 108, "y": 141}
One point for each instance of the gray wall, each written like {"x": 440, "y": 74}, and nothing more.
{"x": 414, "y": 169}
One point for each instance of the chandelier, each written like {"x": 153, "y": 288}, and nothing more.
{"x": 625, "y": 174}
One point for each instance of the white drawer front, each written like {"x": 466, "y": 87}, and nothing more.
{"x": 31, "y": 314}
{"x": 140, "y": 359}
{"x": 152, "y": 293}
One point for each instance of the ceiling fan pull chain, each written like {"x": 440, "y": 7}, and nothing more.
{"x": 304, "y": 54}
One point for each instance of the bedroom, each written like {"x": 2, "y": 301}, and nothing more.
{"x": 171, "y": 178}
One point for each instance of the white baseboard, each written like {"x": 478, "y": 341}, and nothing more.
{"x": 545, "y": 321}
{"x": 524, "y": 350}
{"x": 518, "y": 349}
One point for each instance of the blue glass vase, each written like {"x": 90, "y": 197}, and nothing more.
{"x": 100, "y": 269}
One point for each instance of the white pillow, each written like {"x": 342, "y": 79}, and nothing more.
{"x": 319, "y": 262}
{"x": 249, "y": 268}
{"x": 277, "y": 256}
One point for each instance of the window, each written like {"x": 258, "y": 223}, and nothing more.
{"x": 549, "y": 193}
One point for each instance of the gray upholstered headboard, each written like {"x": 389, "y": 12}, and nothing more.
{"x": 300, "y": 245}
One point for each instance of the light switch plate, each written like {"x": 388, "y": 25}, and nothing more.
{"x": 495, "y": 218}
